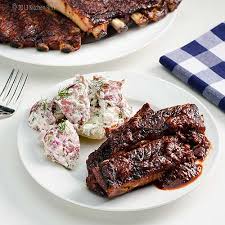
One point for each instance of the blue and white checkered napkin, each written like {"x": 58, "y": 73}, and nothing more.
{"x": 201, "y": 64}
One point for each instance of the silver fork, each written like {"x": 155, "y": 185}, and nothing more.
{"x": 11, "y": 93}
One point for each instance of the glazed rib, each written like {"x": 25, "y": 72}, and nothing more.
{"x": 142, "y": 165}
{"x": 30, "y": 23}
{"x": 147, "y": 124}
{"x": 95, "y": 16}
{"x": 99, "y": 155}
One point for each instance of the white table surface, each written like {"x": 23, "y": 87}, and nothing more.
{"x": 23, "y": 202}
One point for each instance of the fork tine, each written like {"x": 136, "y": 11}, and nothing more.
{"x": 12, "y": 85}
{"x": 8, "y": 81}
{"x": 25, "y": 80}
{"x": 18, "y": 83}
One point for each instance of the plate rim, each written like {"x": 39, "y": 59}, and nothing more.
{"x": 108, "y": 209}
{"x": 172, "y": 17}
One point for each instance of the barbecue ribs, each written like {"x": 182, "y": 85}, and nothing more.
{"x": 152, "y": 146}
{"x": 140, "y": 166}
{"x": 95, "y": 16}
{"x": 30, "y": 23}
{"x": 104, "y": 153}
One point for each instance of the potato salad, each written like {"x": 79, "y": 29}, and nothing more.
{"x": 61, "y": 144}
{"x": 88, "y": 107}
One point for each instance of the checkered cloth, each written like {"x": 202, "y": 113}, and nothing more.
{"x": 201, "y": 64}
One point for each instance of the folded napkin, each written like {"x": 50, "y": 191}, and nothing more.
{"x": 201, "y": 64}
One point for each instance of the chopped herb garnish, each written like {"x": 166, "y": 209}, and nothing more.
{"x": 62, "y": 126}
{"x": 45, "y": 104}
{"x": 64, "y": 93}
{"x": 97, "y": 113}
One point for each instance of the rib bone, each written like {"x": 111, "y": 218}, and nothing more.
{"x": 119, "y": 25}
{"x": 139, "y": 19}
{"x": 100, "y": 31}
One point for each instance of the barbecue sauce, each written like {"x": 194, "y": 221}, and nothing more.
{"x": 179, "y": 177}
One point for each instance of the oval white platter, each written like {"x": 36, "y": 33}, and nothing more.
{"x": 98, "y": 52}
{"x": 71, "y": 186}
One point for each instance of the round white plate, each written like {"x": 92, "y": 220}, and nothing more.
{"x": 101, "y": 51}
{"x": 71, "y": 186}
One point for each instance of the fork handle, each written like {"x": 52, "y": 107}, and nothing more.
{"x": 6, "y": 110}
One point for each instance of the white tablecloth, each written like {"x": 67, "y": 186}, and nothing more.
{"x": 24, "y": 202}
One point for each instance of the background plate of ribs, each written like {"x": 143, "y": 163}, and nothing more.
{"x": 65, "y": 25}
{"x": 162, "y": 153}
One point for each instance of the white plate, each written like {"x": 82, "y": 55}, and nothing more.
{"x": 105, "y": 50}
{"x": 70, "y": 185}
